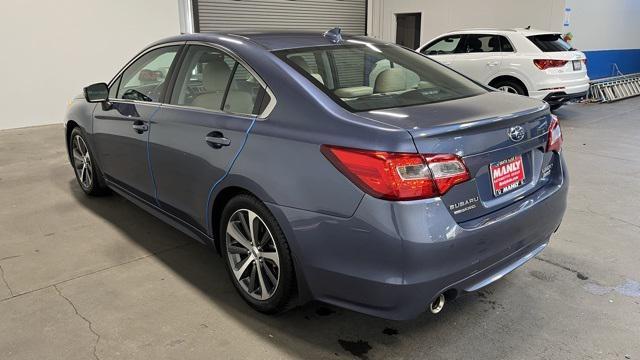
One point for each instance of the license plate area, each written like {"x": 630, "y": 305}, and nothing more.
{"x": 577, "y": 65}
{"x": 506, "y": 175}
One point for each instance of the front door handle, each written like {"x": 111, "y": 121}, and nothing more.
{"x": 217, "y": 140}
{"x": 493, "y": 63}
{"x": 140, "y": 126}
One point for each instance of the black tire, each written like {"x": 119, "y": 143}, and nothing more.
{"x": 285, "y": 289}
{"x": 87, "y": 173}
{"x": 555, "y": 107}
{"x": 511, "y": 85}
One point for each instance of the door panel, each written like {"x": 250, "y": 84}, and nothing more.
{"x": 121, "y": 149}
{"x": 195, "y": 139}
{"x": 482, "y": 58}
{"x": 191, "y": 150}
{"x": 121, "y": 126}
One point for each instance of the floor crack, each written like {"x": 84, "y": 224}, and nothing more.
{"x": 5, "y": 281}
{"x": 580, "y": 275}
{"x": 95, "y": 345}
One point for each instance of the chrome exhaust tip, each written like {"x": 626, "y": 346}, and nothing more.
{"x": 437, "y": 305}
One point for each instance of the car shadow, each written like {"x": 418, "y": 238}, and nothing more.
{"x": 328, "y": 330}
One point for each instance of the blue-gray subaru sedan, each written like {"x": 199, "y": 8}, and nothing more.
{"x": 326, "y": 167}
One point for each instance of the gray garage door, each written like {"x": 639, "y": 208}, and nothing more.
{"x": 320, "y": 15}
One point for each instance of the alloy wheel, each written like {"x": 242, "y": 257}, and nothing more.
{"x": 82, "y": 161}
{"x": 508, "y": 89}
{"x": 252, "y": 254}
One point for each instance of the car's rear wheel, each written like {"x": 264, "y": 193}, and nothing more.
{"x": 87, "y": 172}
{"x": 257, "y": 255}
{"x": 508, "y": 86}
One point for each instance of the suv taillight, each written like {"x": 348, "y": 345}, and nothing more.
{"x": 554, "y": 138}
{"x": 398, "y": 176}
{"x": 544, "y": 64}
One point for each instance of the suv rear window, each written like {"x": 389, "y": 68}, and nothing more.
{"x": 550, "y": 43}
{"x": 366, "y": 76}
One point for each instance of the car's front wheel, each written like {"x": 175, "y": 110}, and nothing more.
{"x": 257, "y": 255}
{"x": 87, "y": 172}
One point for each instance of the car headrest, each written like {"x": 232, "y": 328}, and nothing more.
{"x": 353, "y": 92}
{"x": 390, "y": 80}
{"x": 301, "y": 62}
{"x": 215, "y": 75}
{"x": 494, "y": 43}
{"x": 474, "y": 45}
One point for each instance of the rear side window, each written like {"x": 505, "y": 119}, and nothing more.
{"x": 550, "y": 43}
{"x": 505, "y": 45}
{"x": 211, "y": 79}
{"x": 477, "y": 43}
{"x": 447, "y": 45}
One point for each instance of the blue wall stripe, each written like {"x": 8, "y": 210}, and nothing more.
{"x": 600, "y": 62}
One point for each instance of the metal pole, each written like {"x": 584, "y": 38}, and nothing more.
{"x": 185, "y": 12}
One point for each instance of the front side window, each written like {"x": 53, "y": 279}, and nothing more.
{"x": 211, "y": 79}
{"x": 447, "y": 45}
{"x": 145, "y": 79}
{"x": 379, "y": 76}
{"x": 483, "y": 43}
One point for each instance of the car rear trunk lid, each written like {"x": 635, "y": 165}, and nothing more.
{"x": 477, "y": 129}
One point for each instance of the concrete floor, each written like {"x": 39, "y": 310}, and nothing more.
{"x": 86, "y": 278}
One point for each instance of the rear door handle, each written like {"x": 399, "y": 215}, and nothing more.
{"x": 493, "y": 63}
{"x": 217, "y": 140}
{"x": 140, "y": 126}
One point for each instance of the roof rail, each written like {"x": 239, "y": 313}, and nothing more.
{"x": 486, "y": 29}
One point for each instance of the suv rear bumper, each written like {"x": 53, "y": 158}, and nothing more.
{"x": 391, "y": 259}
{"x": 558, "y": 98}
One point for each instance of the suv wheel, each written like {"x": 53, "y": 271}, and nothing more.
{"x": 511, "y": 87}
{"x": 257, "y": 255}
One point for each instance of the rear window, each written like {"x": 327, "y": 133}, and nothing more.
{"x": 550, "y": 42}
{"x": 365, "y": 76}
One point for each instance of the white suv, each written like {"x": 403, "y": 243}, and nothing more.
{"x": 536, "y": 63}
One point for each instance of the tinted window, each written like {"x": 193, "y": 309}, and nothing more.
{"x": 505, "y": 45}
{"x": 144, "y": 80}
{"x": 483, "y": 43}
{"x": 113, "y": 90}
{"x": 390, "y": 76}
{"x": 210, "y": 77}
{"x": 446, "y": 45}
{"x": 550, "y": 42}
{"x": 243, "y": 92}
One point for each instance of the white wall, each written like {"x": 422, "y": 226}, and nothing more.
{"x": 439, "y": 16}
{"x": 52, "y": 49}
{"x": 604, "y": 25}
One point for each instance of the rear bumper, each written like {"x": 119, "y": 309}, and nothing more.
{"x": 391, "y": 259}
{"x": 557, "y": 98}
{"x": 552, "y": 92}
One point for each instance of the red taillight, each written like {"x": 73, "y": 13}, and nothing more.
{"x": 554, "y": 140}
{"x": 544, "y": 64}
{"x": 398, "y": 176}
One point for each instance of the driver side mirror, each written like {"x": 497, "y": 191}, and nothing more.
{"x": 96, "y": 93}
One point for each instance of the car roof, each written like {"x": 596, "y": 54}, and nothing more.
{"x": 522, "y": 31}
{"x": 269, "y": 40}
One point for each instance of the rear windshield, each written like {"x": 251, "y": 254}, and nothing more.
{"x": 550, "y": 43}
{"x": 363, "y": 76}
